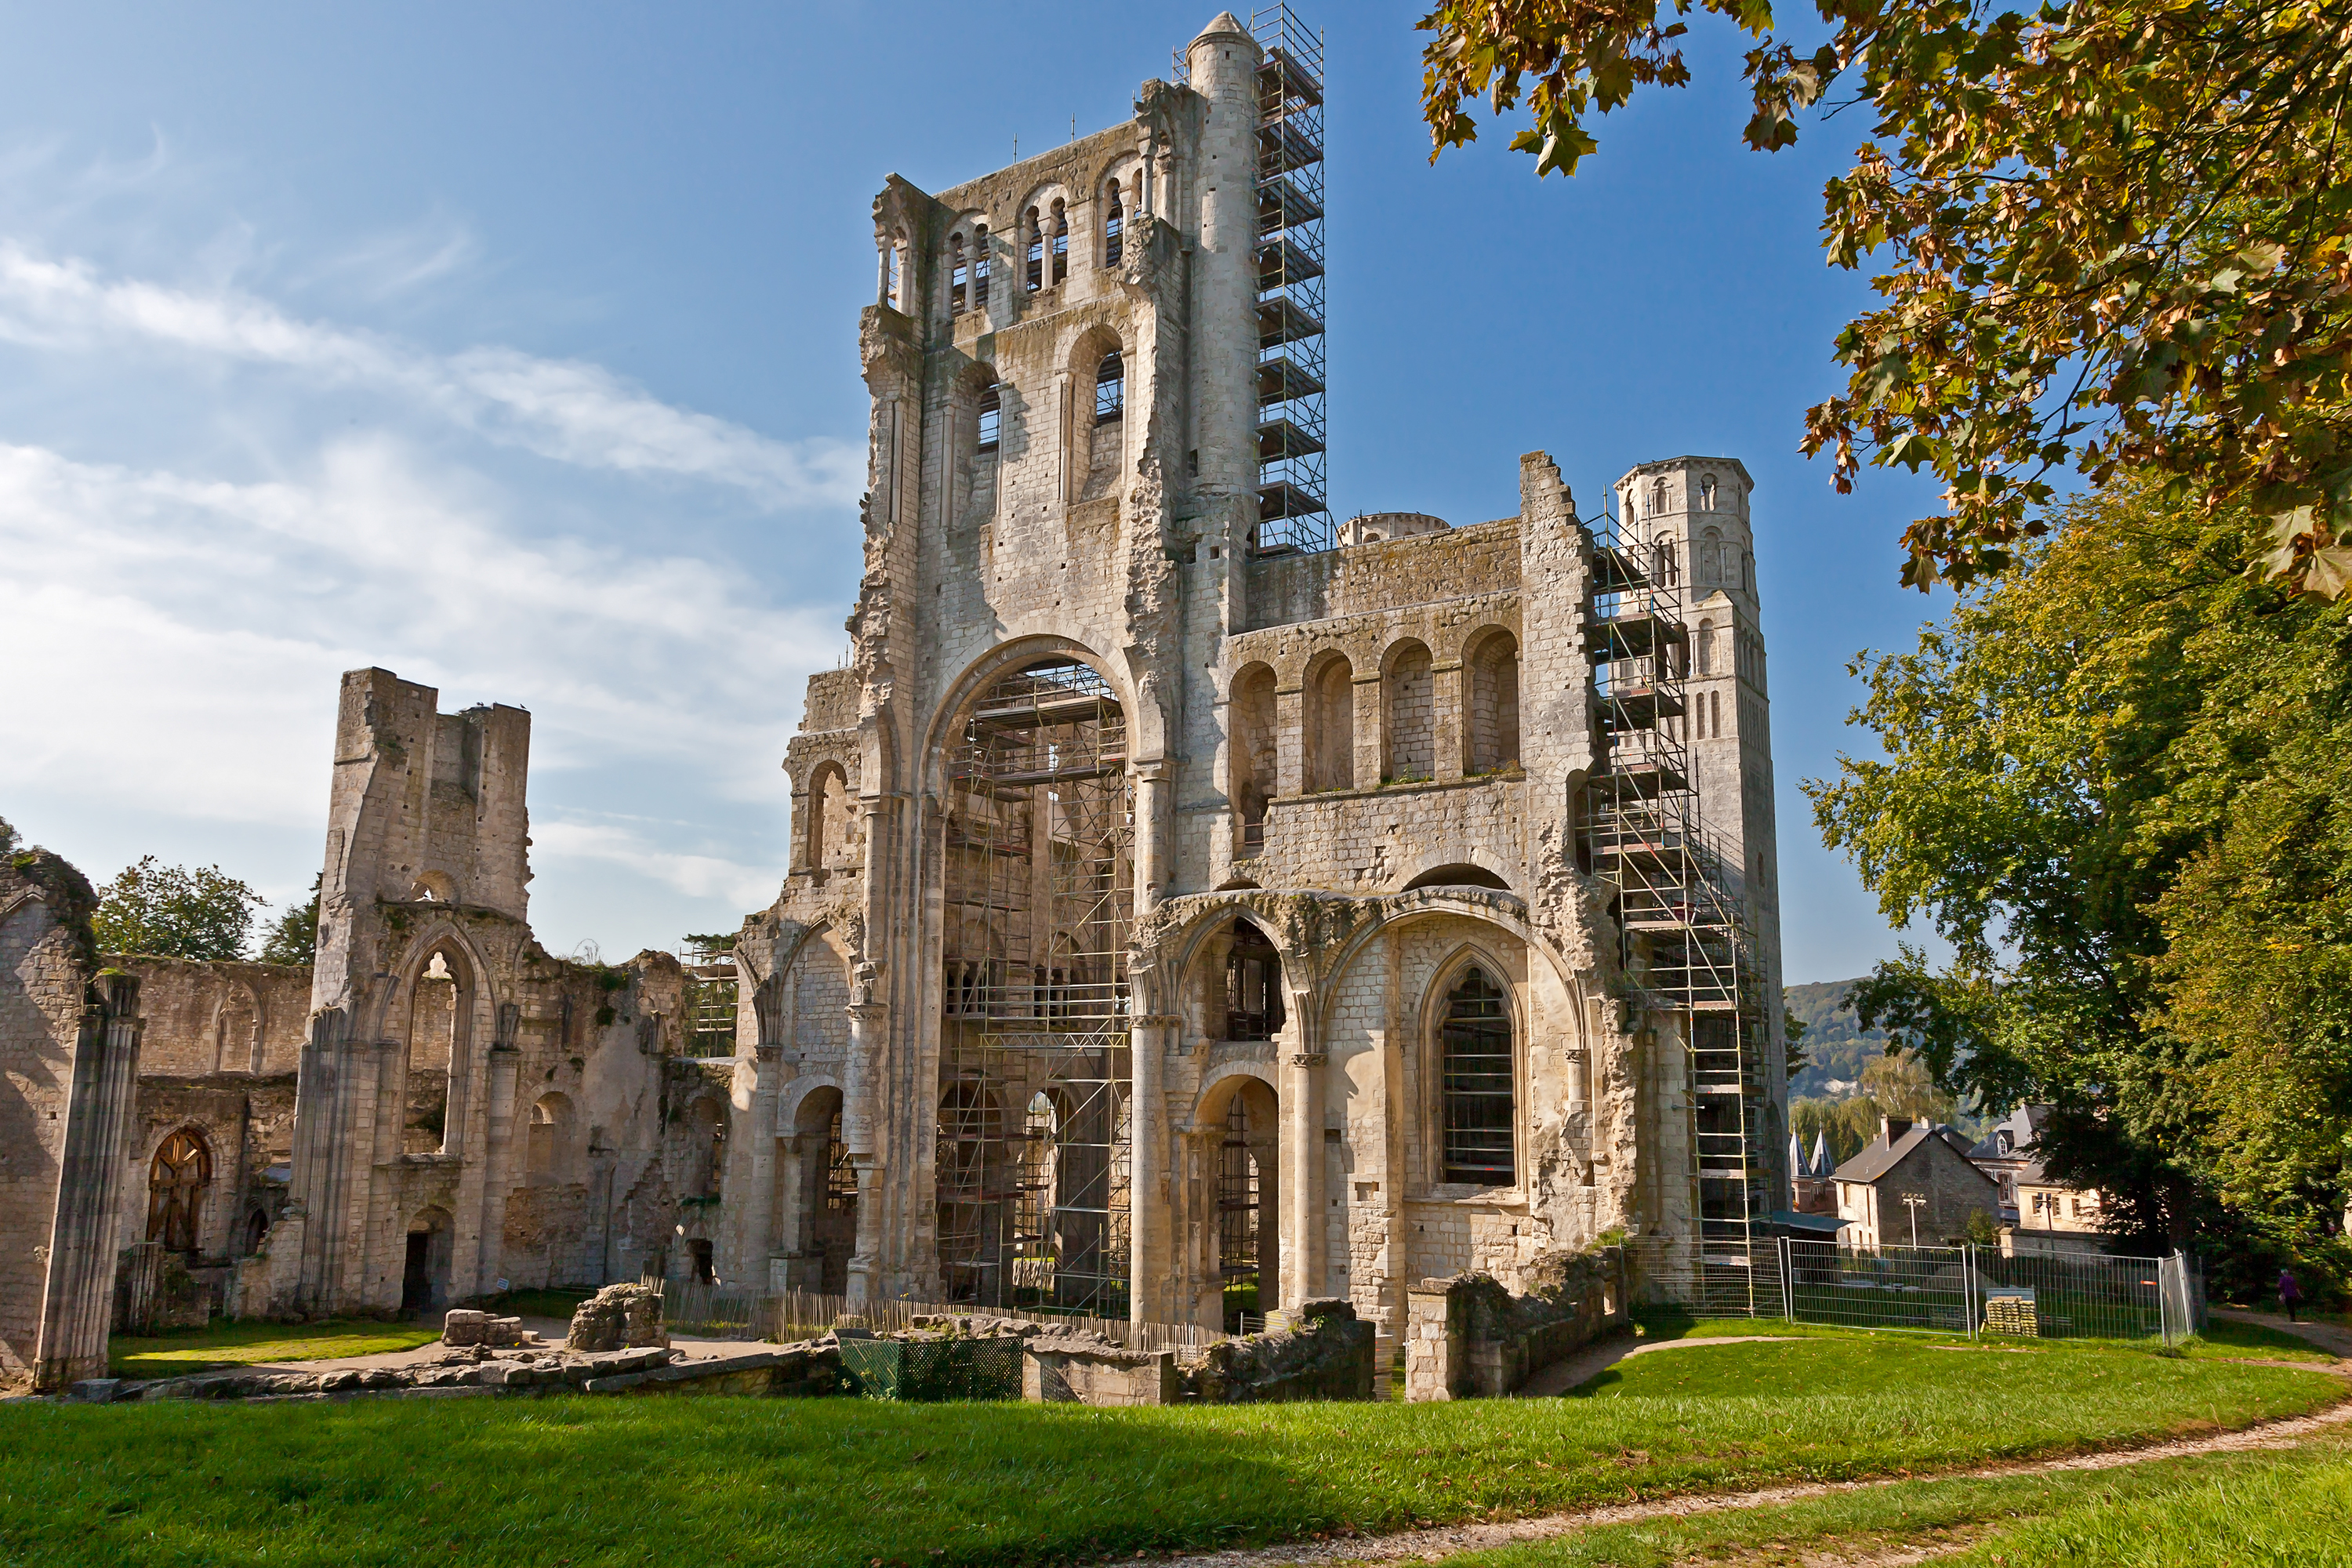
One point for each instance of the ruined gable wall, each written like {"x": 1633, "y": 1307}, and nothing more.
{"x": 46, "y": 961}
{"x": 220, "y": 1016}
{"x": 1363, "y": 579}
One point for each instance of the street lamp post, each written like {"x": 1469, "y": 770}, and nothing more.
{"x": 1914, "y": 1203}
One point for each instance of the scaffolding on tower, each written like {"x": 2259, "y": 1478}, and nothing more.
{"x": 1677, "y": 897}
{"x": 1033, "y": 1155}
{"x": 1292, "y": 478}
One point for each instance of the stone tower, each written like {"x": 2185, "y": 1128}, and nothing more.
{"x": 1697, "y": 508}
{"x": 1183, "y": 925}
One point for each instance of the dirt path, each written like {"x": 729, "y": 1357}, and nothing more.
{"x": 2334, "y": 1341}
{"x": 1448, "y": 1540}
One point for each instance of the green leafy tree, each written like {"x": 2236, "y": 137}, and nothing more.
{"x": 2115, "y": 781}
{"x": 2119, "y": 236}
{"x": 173, "y": 911}
{"x": 7, "y": 837}
{"x": 294, "y": 937}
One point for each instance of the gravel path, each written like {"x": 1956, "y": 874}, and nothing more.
{"x": 1446, "y": 1541}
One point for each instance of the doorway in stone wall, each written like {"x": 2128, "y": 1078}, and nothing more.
{"x": 425, "y": 1273}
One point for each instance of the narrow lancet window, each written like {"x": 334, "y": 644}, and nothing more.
{"x": 1036, "y": 237}
{"x": 1061, "y": 243}
{"x": 1114, "y": 225}
{"x": 991, "y": 417}
{"x": 1110, "y": 388}
{"x": 1477, "y": 1083}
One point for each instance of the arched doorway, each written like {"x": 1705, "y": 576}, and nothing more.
{"x": 176, "y": 1182}
{"x": 424, "y": 1276}
{"x": 1241, "y": 1199}
{"x": 1037, "y": 889}
{"x": 825, "y": 1226}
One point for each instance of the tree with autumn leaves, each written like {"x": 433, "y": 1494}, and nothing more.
{"x": 2113, "y": 237}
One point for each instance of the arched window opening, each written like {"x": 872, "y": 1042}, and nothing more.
{"x": 1747, "y": 571}
{"x": 1061, "y": 243}
{"x": 1657, "y": 498}
{"x": 980, "y": 268}
{"x": 707, "y": 1149}
{"x": 1113, "y": 228}
{"x": 1707, "y": 647}
{"x": 1459, "y": 875}
{"x": 1477, "y": 1074}
{"x": 1034, "y": 276}
{"x": 1666, "y": 559}
{"x": 1331, "y": 727}
{"x": 991, "y": 417}
{"x": 1110, "y": 388}
{"x": 1254, "y": 1009}
{"x": 1237, "y": 1218}
{"x": 550, "y": 1124}
{"x": 1710, "y": 557}
{"x": 959, "y": 277}
{"x": 1494, "y": 727}
{"x": 840, "y": 1174}
{"x": 176, "y": 1180}
{"x": 437, "y": 1008}
{"x": 1251, "y": 755}
{"x": 1035, "y": 1244}
{"x": 1706, "y": 493}
{"x": 1410, "y": 735}
{"x": 257, "y": 1231}
{"x": 890, "y": 274}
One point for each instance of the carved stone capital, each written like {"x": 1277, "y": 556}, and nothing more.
{"x": 1307, "y": 1059}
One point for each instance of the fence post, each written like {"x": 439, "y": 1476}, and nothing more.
{"x": 1787, "y": 1284}
{"x": 1969, "y": 1287}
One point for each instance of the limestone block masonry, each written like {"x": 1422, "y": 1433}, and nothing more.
{"x": 1179, "y": 927}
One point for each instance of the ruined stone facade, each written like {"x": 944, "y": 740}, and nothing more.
{"x": 1346, "y": 776}
{"x": 1180, "y": 925}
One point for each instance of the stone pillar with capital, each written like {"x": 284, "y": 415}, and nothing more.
{"x": 77, "y": 1292}
{"x": 1301, "y": 1183}
{"x": 868, "y": 1027}
{"x": 1151, "y": 1037}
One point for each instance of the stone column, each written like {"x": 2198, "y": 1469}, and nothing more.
{"x": 755, "y": 1231}
{"x": 1302, "y": 1184}
{"x": 78, "y": 1295}
{"x": 1151, "y": 856}
{"x": 498, "y": 1173}
{"x": 869, "y": 1022}
{"x": 1148, "y": 1204}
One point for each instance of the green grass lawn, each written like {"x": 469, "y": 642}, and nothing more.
{"x": 242, "y": 1344}
{"x": 2221, "y": 1341}
{"x": 2218, "y": 1510}
{"x": 840, "y": 1482}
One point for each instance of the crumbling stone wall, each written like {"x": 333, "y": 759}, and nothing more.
{"x": 1319, "y": 1351}
{"x": 1472, "y": 1336}
{"x": 47, "y": 962}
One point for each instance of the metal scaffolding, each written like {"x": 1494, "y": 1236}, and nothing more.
{"x": 708, "y": 1024}
{"x": 1677, "y": 897}
{"x": 1034, "y": 1080}
{"x": 1293, "y": 483}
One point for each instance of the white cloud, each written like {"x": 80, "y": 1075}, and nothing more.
{"x": 181, "y": 637}
{"x": 729, "y": 882}
{"x": 568, "y": 410}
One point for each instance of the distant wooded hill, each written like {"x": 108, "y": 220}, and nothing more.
{"x": 1835, "y": 1045}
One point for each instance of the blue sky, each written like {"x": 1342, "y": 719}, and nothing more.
{"x": 512, "y": 348}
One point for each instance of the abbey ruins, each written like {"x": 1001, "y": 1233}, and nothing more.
{"x": 1193, "y": 909}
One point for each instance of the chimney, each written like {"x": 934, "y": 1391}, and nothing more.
{"x": 1890, "y": 1128}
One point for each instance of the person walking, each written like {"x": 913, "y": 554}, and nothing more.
{"x": 2290, "y": 1293}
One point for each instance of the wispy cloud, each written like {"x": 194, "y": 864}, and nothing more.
{"x": 568, "y": 410}
{"x": 711, "y": 876}
{"x": 159, "y": 605}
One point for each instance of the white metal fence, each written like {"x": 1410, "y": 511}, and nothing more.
{"x": 716, "y": 1311}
